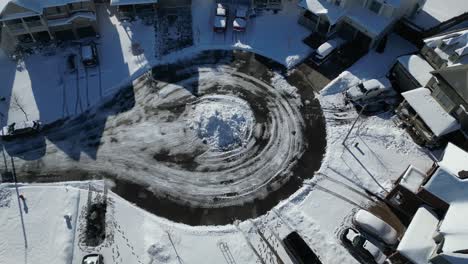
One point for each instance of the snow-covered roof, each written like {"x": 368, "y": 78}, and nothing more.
{"x": 322, "y": 7}
{"x": 455, "y": 159}
{"x": 448, "y": 186}
{"x": 417, "y": 243}
{"x": 369, "y": 21}
{"x": 412, "y": 179}
{"x": 132, "y": 2}
{"x": 419, "y": 68}
{"x": 454, "y": 227}
{"x": 435, "y": 12}
{"x": 431, "y": 112}
{"x": 446, "y": 46}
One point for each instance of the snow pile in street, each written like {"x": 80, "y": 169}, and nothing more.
{"x": 224, "y": 122}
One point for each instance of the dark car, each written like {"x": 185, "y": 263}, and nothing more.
{"x": 299, "y": 251}
{"x": 361, "y": 248}
{"x": 71, "y": 62}
{"x": 93, "y": 259}
{"x": 89, "y": 55}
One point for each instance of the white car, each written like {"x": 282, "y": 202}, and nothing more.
{"x": 370, "y": 89}
{"x": 240, "y": 22}
{"x": 364, "y": 248}
{"x": 220, "y": 19}
{"x": 325, "y": 50}
{"x": 375, "y": 227}
{"x": 22, "y": 128}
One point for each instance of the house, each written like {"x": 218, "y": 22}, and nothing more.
{"x": 435, "y": 88}
{"x": 129, "y": 9}
{"x": 425, "y": 117}
{"x": 436, "y": 15}
{"x": 410, "y": 72}
{"x": 366, "y": 21}
{"x": 27, "y": 23}
{"x": 447, "y": 49}
{"x": 437, "y": 232}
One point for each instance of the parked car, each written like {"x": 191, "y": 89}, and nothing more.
{"x": 370, "y": 89}
{"x": 19, "y": 129}
{"x": 361, "y": 247}
{"x": 375, "y": 227}
{"x": 89, "y": 55}
{"x": 240, "y": 22}
{"x": 299, "y": 251}
{"x": 93, "y": 259}
{"x": 327, "y": 49}
{"x": 220, "y": 19}
{"x": 71, "y": 62}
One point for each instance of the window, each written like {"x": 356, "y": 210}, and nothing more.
{"x": 375, "y": 6}
{"x": 338, "y": 2}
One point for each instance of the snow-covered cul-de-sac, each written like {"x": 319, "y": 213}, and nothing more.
{"x": 247, "y": 131}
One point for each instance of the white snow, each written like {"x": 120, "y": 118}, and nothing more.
{"x": 446, "y": 185}
{"x": 419, "y": 68}
{"x": 376, "y": 226}
{"x": 413, "y": 179}
{"x": 277, "y": 36}
{"x": 224, "y": 122}
{"x": 435, "y": 12}
{"x": 35, "y": 231}
{"x": 431, "y": 112}
{"x": 450, "y": 45}
{"x": 370, "y": 21}
{"x": 323, "y": 7}
{"x": 417, "y": 243}
{"x": 455, "y": 159}
{"x": 453, "y": 227}
{"x": 317, "y": 211}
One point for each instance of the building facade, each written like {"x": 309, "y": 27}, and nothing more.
{"x": 367, "y": 21}
{"x": 27, "y": 23}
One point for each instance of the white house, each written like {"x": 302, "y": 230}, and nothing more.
{"x": 364, "y": 20}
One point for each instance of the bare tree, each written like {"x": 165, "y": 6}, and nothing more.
{"x": 17, "y": 104}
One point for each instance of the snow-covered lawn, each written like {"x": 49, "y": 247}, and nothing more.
{"x": 35, "y": 230}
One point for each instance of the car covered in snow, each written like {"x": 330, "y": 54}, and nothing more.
{"x": 327, "y": 49}
{"x": 89, "y": 55}
{"x": 375, "y": 227}
{"x": 93, "y": 259}
{"x": 240, "y": 21}
{"x": 220, "y": 18}
{"x": 370, "y": 89}
{"x": 21, "y": 128}
{"x": 362, "y": 248}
